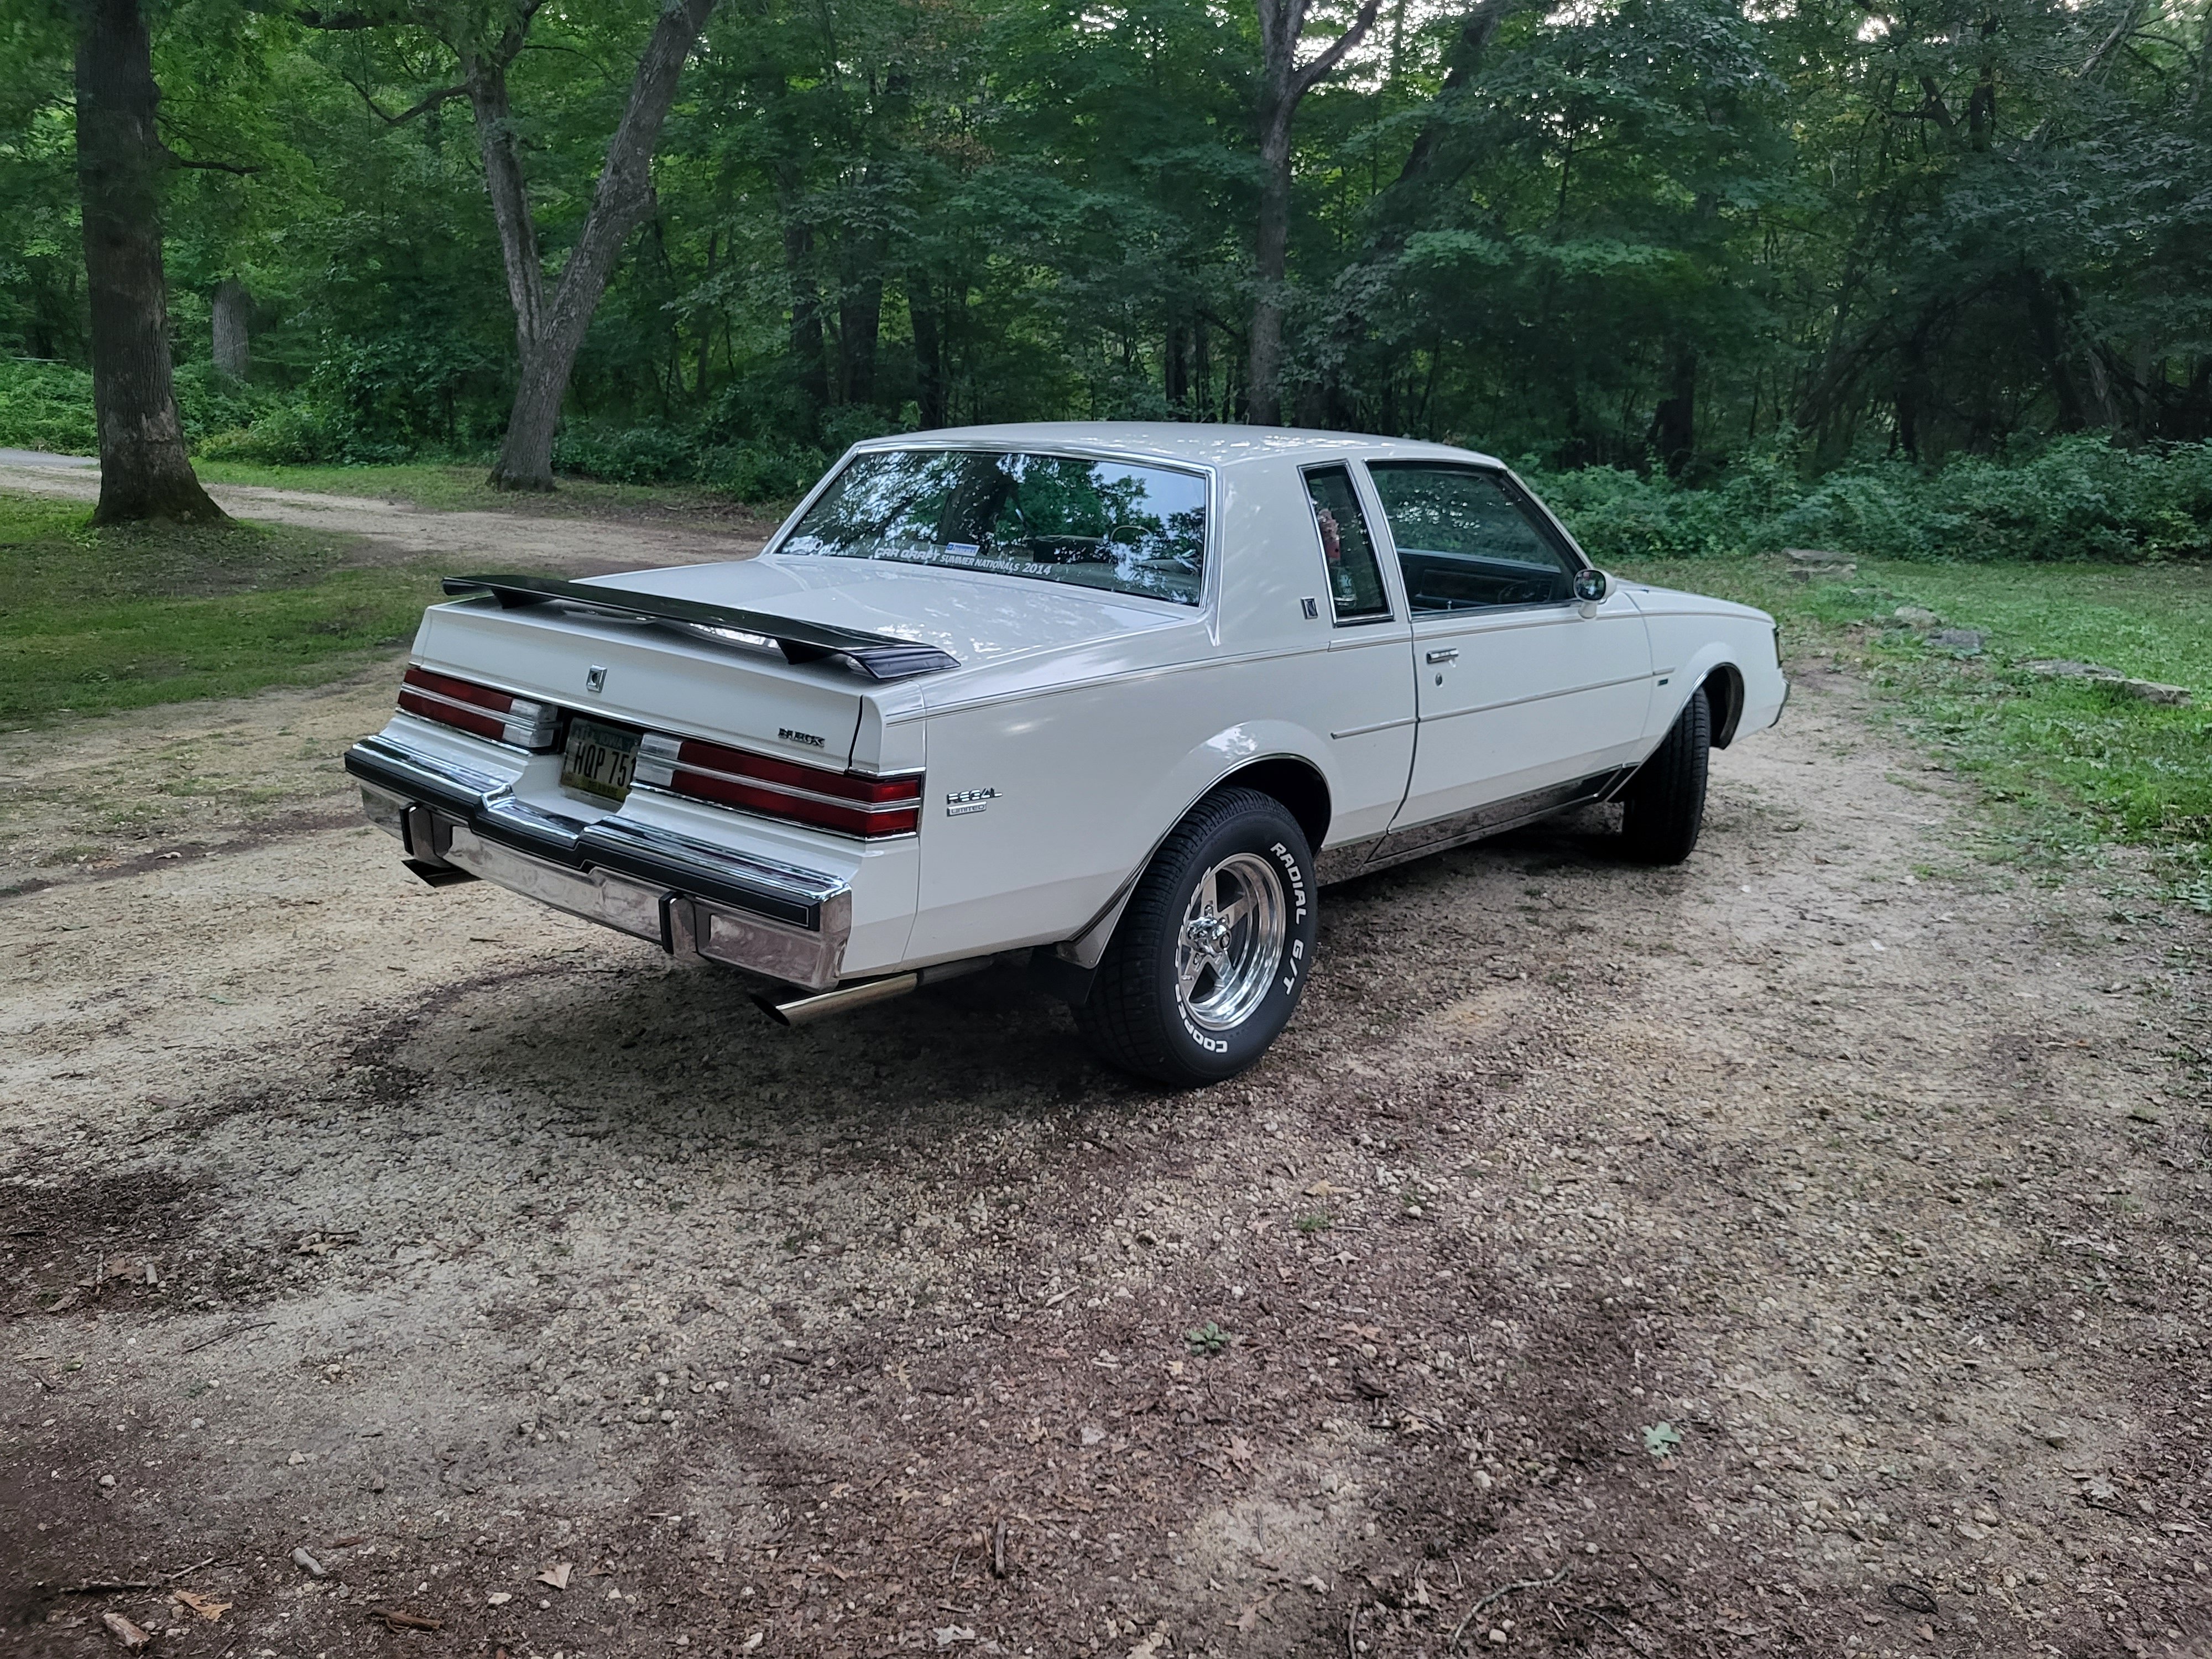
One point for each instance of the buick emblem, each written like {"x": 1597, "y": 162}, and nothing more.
{"x": 595, "y": 679}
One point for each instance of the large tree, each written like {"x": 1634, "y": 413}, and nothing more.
{"x": 548, "y": 331}
{"x": 143, "y": 471}
{"x": 549, "y": 327}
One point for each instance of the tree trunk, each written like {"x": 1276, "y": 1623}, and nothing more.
{"x": 234, "y": 315}
{"x": 859, "y": 325}
{"x": 1283, "y": 85}
{"x": 1263, "y": 403}
{"x": 928, "y": 351}
{"x": 547, "y": 335}
{"x": 806, "y": 295}
{"x": 2050, "y": 328}
{"x": 143, "y": 473}
{"x": 1674, "y": 422}
{"x": 1465, "y": 59}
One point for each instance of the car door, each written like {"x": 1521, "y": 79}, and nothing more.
{"x": 1521, "y": 690}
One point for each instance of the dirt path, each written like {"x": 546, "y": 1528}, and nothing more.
{"x": 452, "y": 1242}
{"x": 578, "y": 545}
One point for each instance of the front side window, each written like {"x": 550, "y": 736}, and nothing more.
{"x": 1099, "y": 524}
{"x": 1355, "y": 580}
{"x": 1466, "y": 542}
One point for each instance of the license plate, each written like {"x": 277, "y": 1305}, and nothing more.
{"x": 599, "y": 759}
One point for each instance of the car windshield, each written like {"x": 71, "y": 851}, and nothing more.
{"x": 1110, "y": 524}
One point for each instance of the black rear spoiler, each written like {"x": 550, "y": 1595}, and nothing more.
{"x": 879, "y": 656}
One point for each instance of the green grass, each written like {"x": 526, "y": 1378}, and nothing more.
{"x": 2065, "y": 765}
{"x": 98, "y": 620}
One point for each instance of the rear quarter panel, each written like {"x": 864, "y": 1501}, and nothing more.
{"x": 1095, "y": 755}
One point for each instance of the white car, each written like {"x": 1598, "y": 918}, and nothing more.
{"x": 1119, "y": 698}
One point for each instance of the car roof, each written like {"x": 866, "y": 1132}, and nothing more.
{"x": 1175, "y": 440}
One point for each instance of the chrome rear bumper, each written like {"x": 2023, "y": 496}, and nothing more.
{"x": 694, "y": 900}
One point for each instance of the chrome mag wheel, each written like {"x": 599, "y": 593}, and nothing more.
{"x": 1230, "y": 941}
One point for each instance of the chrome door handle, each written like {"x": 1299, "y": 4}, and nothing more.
{"x": 1449, "y": 654}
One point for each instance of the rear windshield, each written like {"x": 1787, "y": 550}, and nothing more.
{"x": 1109, "y": 525}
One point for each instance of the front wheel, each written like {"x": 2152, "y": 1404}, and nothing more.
{"x": 1665, "y": 801}
{"x": 1208, "y": 962}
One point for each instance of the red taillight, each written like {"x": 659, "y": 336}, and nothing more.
{"x": 845, "y": 801}
{"x": 479, "y": 708}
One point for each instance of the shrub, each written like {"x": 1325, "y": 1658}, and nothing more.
{"x": 288, "y": 434}
{"x": 209, "y": 402}
{"x": 763, "y": 472}
{"x": 47, "y": 406}
{"x": 752, "y": 470}
{"x": 636, "y": 454}
{"x": 2077, "y": 498}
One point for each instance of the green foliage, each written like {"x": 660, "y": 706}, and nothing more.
{"x": 1692, "y": 231}
{"x": 2083, "y": 498}
{"x": 47, "y": 406}
{"x": 296, "y": 433}
{"x": 1923, "y": 289}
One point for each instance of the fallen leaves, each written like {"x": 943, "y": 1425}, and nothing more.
{"x": 207, "y": 1608}
{"x": 1660, "y": 1439}
{"x": 557, "y": 1574}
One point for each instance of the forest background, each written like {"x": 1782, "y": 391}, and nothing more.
{"x": 1916, "y": 278}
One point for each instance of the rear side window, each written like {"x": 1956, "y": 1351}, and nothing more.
{"x": 1465, "y": 541}
{"x": 1355, "y": 579}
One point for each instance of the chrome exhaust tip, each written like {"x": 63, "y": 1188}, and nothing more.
{"x": 820, "y": 1005}
{"x": 809, "y": 1007}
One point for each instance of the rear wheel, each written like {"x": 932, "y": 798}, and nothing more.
{"x": 1665, "y": 801}
{"x": 1208, "y": 962}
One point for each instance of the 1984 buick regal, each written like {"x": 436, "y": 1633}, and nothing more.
{"x": 1122, "y": 699}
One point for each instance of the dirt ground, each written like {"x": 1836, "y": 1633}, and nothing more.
{"x": 1801, "y": 1252}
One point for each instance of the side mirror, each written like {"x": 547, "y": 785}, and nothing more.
{"x": 1591, "y": 586}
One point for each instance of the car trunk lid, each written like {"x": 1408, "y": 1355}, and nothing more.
{"x": 634, "y": 672}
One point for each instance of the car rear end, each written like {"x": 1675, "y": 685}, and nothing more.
{"x": 684, "y": 783}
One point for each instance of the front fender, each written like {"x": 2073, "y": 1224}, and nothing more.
{"x": 1672, "y": 694}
